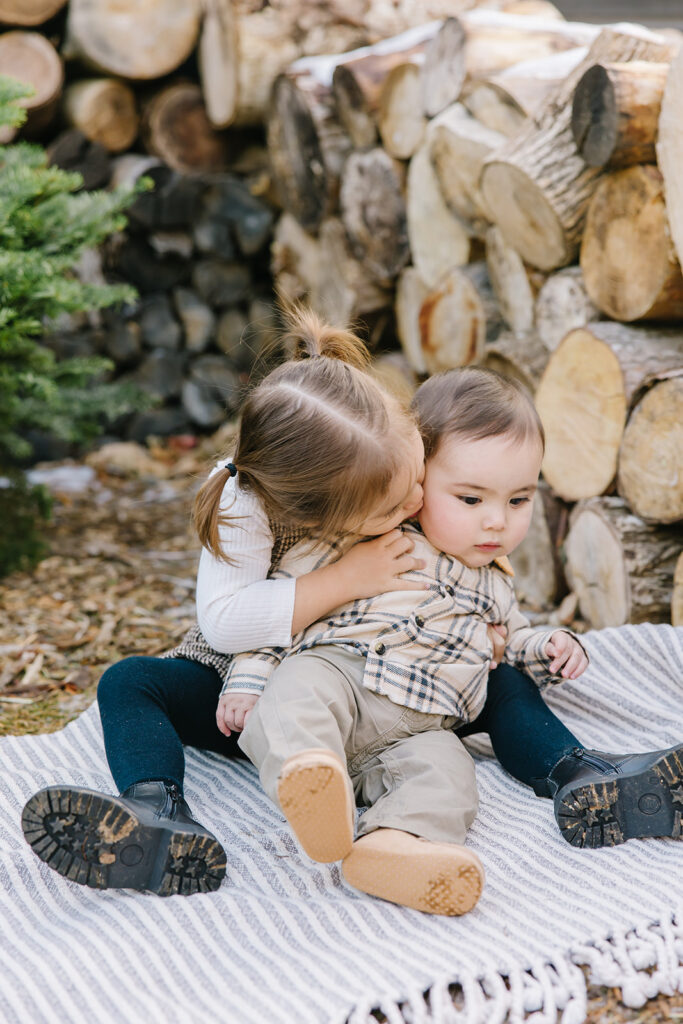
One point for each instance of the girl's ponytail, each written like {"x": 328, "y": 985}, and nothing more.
{"x": 308, "y": 336}
{"x": 206, "y": 511}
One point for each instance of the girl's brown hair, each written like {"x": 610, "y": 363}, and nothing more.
{"x": 319, "y": 441}
{"x": 473, "y": 403}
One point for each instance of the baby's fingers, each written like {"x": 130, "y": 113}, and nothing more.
{"x": 221, "y": 723}
{"x": 576, "y": 663}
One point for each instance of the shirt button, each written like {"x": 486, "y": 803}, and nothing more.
{"x": 379, "y": 647}
{"x": 449, "y": 589}
{"x": 419, "y": 621}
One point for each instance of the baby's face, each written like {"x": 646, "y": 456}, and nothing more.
{"x": 478, "y": 496}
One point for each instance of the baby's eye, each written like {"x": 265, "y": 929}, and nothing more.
{"x": 516, "y": 502}
{"x": 469, "y": 499}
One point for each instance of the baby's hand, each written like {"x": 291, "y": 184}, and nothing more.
{"x": 375, "y": 566}
{"x": 233, "y": 711}
{"x": 567, "y": 654}
{"x": 497, "y": 635}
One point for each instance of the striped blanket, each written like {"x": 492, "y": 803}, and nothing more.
{"x": 286, "y": 941}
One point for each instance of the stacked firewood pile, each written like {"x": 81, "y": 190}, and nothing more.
{"x": 509, "y": 188}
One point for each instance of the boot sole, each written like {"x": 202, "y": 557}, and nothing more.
{"x": 97, "y": 840}
{"x": 313, "y": 791}
{"x": 644, "y": 804}
{"x": 435, "y": 878}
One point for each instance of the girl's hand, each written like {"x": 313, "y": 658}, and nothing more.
{"x": 233, "y": 711}
{"x": 567, "y": 654}
{"x": 375, "y": 566}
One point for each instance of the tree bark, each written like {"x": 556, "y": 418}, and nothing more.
{"x": 438, "y": 240}
{"x": 218, "y": 61}
{"x": 563, "y": 304}
{"x": 138, "y": 39}
{"x": 615, "y": 112}
{"x": 650, "y": 477}
{"x": 33, "y": 60}
{"x": 400, "y": 120}
{"x": 539, "y": 576}
{"x": 670, "y": 150}
{"x": 504, "y": 100}
{"x": 374, "y": 214}
{"x": 452, "y": 323}
{"x": 620, "y": 567}
{"x": 514, "y": 284}
{"x": 537, "y": 186}
{"x": 28, "y": 12}
{"x": 358, "y": 79}
{"x": 411, "y": 292}
{"x": 584, "y": 396}
{"x": 104, "y": 109}
{"x": 307, "y": 147}
{"x": 521, "y": 356}
{"x": 628, "y": 260}
{"x": 176, "y": 129}
{"x": 459, "y": 146}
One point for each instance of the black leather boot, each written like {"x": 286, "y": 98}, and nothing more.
{"x": 145, "y": 839}
{"x": 604, "y": 799}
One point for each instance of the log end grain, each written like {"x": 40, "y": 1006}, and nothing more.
{"x": 677, "y": 595}
{"x": 594, "y": 116}
{"x": 596, "y": 571}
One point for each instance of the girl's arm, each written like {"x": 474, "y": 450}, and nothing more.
{"x": 239, "y": 609}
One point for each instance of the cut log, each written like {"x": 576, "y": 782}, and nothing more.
{"x": 411, "y": 292}
{"x": 33, "y": 60}
{"x": 28, "y": 12}
{"x": 73, "y": 152}
{"x": 670, "y": 150}
{"x": 452, "y": 324}
{"x": 514, "y": 284}
{"x": 563, "y": 304}
{"x": 539, "y": 575}
{"x": 523, "y": 357}
{"x": 400, "y": 120}
{"x": 458, "y": 146}
{"x": 343, "y": 290}
{"x": 218, "y": 61}
{"x": 174, "y": 202}
{"x": 443, "y": 71}
{"x": 615, "y": 113}
{"x": 374, "y": 214}
{"x": 438, "y": 240}
{"x": 537, "y": 186}
{"x": 620, "y": 567}
{"x": 504, "y": 100}
{"x": 176, "y": 129}
{"x": 584, "y": 396}
{"x": 677, "y": 595}
{"x": 628, "y": 260}
{"x": 307, "y": 147}
{"x": 396, "y": 376}
{"x": 295, "y": 259}
{"x": 139, "y": 39}
{"x": 267, "y": 44}
{"x": 357, "y": 81}
{"x": 650, "y": 476}
{"x": 104, "y": 110}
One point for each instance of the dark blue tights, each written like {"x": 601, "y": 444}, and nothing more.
{"x": 152, "y": 707}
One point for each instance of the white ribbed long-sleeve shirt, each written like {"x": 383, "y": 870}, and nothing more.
{"x": 238, "y": 608}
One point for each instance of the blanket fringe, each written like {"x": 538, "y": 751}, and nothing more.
{"x": 643, "y": 962}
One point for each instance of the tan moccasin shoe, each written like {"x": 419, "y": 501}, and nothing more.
{"x": 437, "y": 878}
{"x": 316, "y": 798}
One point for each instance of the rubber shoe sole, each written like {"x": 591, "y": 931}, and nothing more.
{"x": 97, "y": 840}
{"x": 436, "y": 878}
{"x": 315, "y": 795}
{"x": 628, "y": 806}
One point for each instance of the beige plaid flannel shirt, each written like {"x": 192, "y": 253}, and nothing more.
{"x": 428, "y": 650}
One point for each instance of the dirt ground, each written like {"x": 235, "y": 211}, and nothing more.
{"x": 120, "y": 580}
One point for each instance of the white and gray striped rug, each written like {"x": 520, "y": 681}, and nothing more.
{"x": 285, "y": 941}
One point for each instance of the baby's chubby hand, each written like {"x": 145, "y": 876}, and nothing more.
{"x": 233, "y": 711}
{"x": 567, "y": 655}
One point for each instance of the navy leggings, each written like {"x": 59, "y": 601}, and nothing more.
{"x": 152, "y": 707}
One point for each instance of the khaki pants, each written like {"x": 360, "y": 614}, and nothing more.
{"x": 408, "y": 768}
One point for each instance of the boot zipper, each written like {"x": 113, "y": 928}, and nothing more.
{"x": 599, "y": 763}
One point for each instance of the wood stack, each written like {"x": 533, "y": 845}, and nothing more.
{"x": 522, "y": 210}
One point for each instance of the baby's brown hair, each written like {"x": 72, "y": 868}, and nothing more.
{"x": 319, "y": 440}
{"x": 472, "y": 403}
